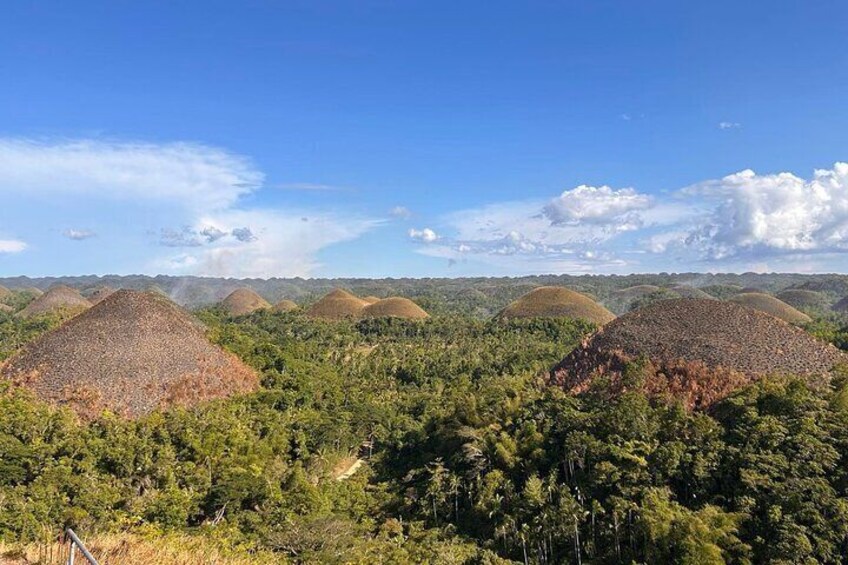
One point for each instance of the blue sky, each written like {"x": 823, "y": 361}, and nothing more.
{"x": 422, "y": 138}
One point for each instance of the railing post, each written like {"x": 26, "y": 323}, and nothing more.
{"x": 76, "y": 543}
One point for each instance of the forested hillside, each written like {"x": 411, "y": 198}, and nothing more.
{"x": 468, "y": 455}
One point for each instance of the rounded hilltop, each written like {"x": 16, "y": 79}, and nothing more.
{"x": 285, "y": 306}
{"x": 371, "y": 299}
{"x": 696, "y": 350}
{"x": 771, "y": 305}
{"x": 131, "y": 353}
{"x": 688, "y": 291}
{"x": 336, "y": 305}
{"x": 394, "y": 307}
{"x": 99, "y": 293}
{"x": 57, "y": 298}
{"x": 243, "y": 301}
{"x": 557, "y": 302}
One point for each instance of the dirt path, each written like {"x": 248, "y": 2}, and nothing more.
{"x": 350, "y": 471}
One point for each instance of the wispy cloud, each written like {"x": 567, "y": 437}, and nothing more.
{"x": 729, "y": 125}
{"x": 310, "y": 187}
{"x": 79, "y": 234}
{"x": 199, "y": 188}
{"x": 12, "y": 246}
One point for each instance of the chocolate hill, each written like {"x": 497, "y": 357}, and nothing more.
{"x": 557, "y": 302}
{"x": 131, "y": 353}
{"x": 337, "y": 305}
{"x": 6, "y": 309}
{"x": 771, "y": 305}
{"x": 4, "y": 292}
{"x": 687, "y": 291}
{"x": 371, "y": 299}
{"x": 285, "y": 306}
{"x": 697, "y": 350}
{"x": 59, "y": 297}
{"x": 394, "y": 307}
{"x": 98, "y": 294}
{"x": 243, "y": 301}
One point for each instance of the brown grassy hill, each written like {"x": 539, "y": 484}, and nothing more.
{"x": 97, "y": 295}
{"x": 371, "y": 299}
{"x": 243, "y": 301}
{"x": 6, "y": 309}
{"x": 131, "y": 353}
{"x": 33, "y": 291}
{"x": 285, "y": 306}
{"x": 699, "y": 351}
{"x": 4, "y": 292}
{"x": 59, "y": 297}
{"x": 557, "y": 302}
{"x": 805, "y": 300}
{"x": 771, "y": 305}
{"x": 336, "y": 305}
{"x": 394, "y": 307}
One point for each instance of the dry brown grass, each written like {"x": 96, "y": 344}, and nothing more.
{"x": 133, "y": 549}
{"x": 6, "y": 309}
{"x": 59, "y": 297}
{"x": 97, "y": 295}
{"x": 4, "y": 292}
{"x": 698, "y": 350}
{"x": 557, "y": 302}
{"x": 337, "y": 305}
{"x": 394, "y": 307}
{"x": 771, "y": 305}
{"x": 371, "y": 299}
{"x": 132, "y": 353}
{"x": 285, "y": 306}
{"x": 244, "y": 301}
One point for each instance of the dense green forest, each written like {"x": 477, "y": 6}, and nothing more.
{"x": 469, "y": 456}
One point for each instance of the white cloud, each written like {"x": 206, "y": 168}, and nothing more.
{"x": 736, "y": 222}
{"x": 619, "y": 210}
{"x": 772, "y": 214}
{"x": 189, "y": 196}
{"x": 12, "y": 246}
{"x": 78, "y": 234}
{"x": 401, "y": 212}
{"x": 729, "y": 125}
{"x": 279, "y": 243}
{"x": 425, "y": 235}
{"x": 187, "y": 175}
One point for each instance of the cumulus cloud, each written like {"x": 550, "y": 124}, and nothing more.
{"x": 78, "y": 234}
{"x": 618, "y": 210}
{"x": 780, "y": 213}
{"x": 12, "y": 246}
{"x": 425, "y": 235}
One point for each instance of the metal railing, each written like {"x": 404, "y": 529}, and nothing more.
{"x": 76, "y": 544}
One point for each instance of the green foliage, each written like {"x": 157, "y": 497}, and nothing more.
{"x": 473, "y": 458}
